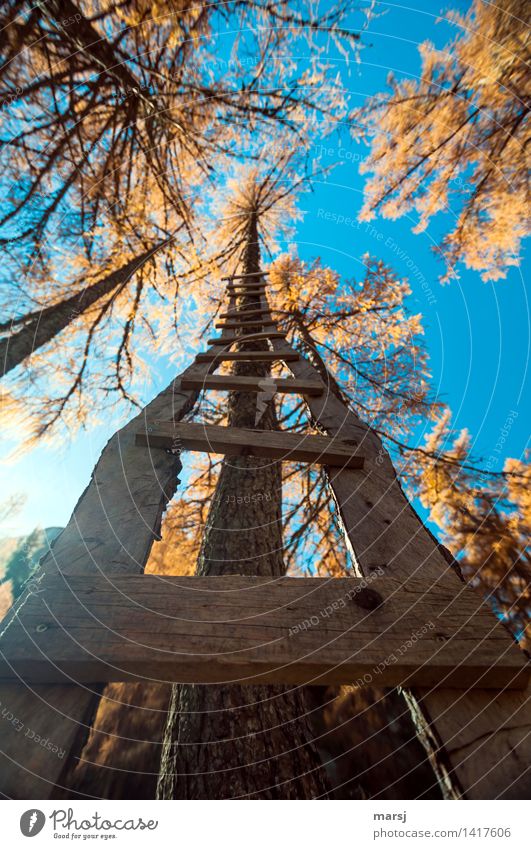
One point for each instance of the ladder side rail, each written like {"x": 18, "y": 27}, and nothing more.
{"x": 110, "y": 531}
{"x": 479, "y": 742}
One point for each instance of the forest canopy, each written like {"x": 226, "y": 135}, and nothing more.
{"x": 133, "y": 147}
{"x": 156, "y": 154}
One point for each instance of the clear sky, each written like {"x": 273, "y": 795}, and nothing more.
{"x": 477, "y": 333}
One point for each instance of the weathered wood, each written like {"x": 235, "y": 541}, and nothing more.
{"x": 246, "y": 276}
{"x": 246, "y": 291}
{"x": 247, "y": 288}
{"x": 209, "y": 630}
{"x": 245, "y": 285}
{"x": 111, "y": 531}
{"x": 257, "y": 356}
{"x": 279, "y": 445}
{"x": 212, "y": 747}
{"x": 235, "y": 325}
{"x": 479, "y": 744}
{"x": 227, "y": 382}
{"x": 237, "y": 313}
{"x": 248, "y": 337}
{"x": 479, "y": 738}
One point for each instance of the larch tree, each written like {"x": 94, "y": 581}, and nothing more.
{"x": 385, "y": 374}
{"x": 372, "y": 346}
{"x": 122, "y": 118}
{"x": 376, "y": 347}
{"x": 456, "y": 140}
{"x": 485, "y": 519}
{"x": 118, "y": 125}
{"x": 242, "y": 741}
{"x": 37, "y": 328}
{"x": 96, "y": 98}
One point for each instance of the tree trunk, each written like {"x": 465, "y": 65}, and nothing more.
{"x": 368, "y": 740}
{"x": 42, "y": 326}
{"x": 91, "y": 42}
{"x": 121, "y": 757}
{"x": 231, "y": 741}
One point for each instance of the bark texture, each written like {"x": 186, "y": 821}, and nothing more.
{"x": 243, "y": 741}
{"x": 236, "y": 741}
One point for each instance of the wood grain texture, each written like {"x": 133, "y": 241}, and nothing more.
{"x": 235, "y": 325}
{"x": 111, "y": 531}
{"x": 248, "y": 337}
{"x": 214, "y": 746}
{"x": 234, "y": 441}
{"x": 246, "y": 291}
{"x": 227, "y": 382}
{"x": 479, "y": 746}
{"x": 247, "y": 287}
{"x": 253, "y": 274}
{"x": 479, "y": 737}
{"x": 207, "y": 630}
{"x": 239, "y": 312}
{"x": 251, "y": 356}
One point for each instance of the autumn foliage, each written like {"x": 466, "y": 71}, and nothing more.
{"x": 456, "y": 138}
{"x": 135, "y": 147}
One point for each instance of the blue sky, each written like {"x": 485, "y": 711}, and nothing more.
{"x": 477, "y": 333}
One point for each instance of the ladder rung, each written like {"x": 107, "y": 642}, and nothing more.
{"x": 248, "y": 337}
{"x": 230, "y": 382}
{"x": 245, "y": 276}
{"x": 245, "y": 293}
{"x": 236, "y": 313}
{"x": 234, "y": 325}
{"x": 279, "y": 445}
{"x": 248, "y": 356}
{"x": 247, "y": 286}
{"x": 206, "y": 630}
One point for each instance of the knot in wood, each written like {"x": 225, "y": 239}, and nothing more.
{"x": 368, "y": 599}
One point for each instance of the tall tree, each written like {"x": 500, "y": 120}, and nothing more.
{"x": 323, "y": 314}
{"x": 325, "y": 324}
{"x": 117, "y": 119}
{"x": 374, "y": 344}
{"x": 456, "y": 138}
{"x": 112, "y": 93}
{"x": 33, "y": 330}
{"x": 242, "y": 741}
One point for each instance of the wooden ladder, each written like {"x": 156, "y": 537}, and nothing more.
{"x": 406, "y": 619}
